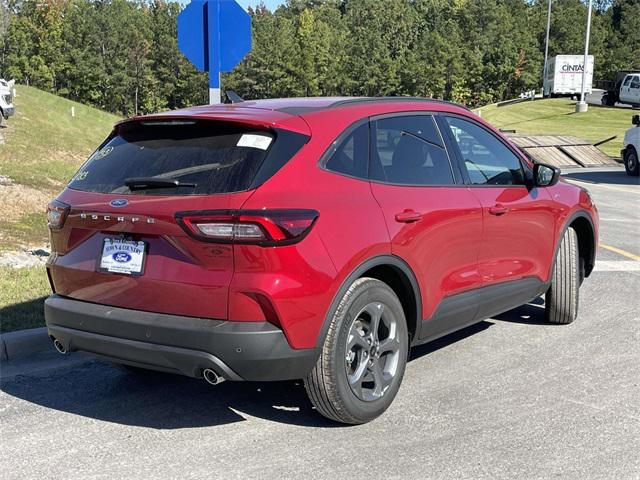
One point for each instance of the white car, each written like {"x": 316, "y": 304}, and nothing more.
{"x": 631, "y": 147}
{"x": 6, "y": 100}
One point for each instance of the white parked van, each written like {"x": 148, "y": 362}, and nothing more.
{"x": 564, "y": 75}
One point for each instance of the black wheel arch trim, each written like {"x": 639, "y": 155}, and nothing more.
{"x": 376, "y": 261}
{"x": 591, "y": 259}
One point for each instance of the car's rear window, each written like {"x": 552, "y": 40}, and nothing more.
{"x": 204, "y": 157}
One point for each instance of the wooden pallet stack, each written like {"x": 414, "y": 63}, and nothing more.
{"x": 561, "y": 150}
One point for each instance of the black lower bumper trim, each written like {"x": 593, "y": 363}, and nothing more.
{"x": 235, "y": 350}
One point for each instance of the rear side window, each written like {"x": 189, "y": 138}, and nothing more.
{"x": 408, "y": 150}
{"x": 351, "y": 155}
{"x": 201, "y": 157}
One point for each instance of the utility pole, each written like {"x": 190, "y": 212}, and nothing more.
{"x": 582, "y": 105}
{"x": 546, "y": 48}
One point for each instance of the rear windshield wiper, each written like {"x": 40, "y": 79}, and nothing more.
{"x": 144, "y": 183}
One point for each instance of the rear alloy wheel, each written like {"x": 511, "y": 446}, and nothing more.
{"x": 561, "y": 299}
{"x": 364, "y": 355}
{"x": 631, "y": 164}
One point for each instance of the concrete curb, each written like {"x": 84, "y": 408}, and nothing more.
{"x": 23, "y": 343}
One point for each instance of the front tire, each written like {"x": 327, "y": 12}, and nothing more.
{"x": 364, "y": 355}
{"x": 631, "y": 164}
{"x": 561, "y": 300}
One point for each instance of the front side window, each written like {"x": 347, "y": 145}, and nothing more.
{"x": 487, "y": 160}
{"x": 627, "y": 81}
{"x": 408, "y": 150}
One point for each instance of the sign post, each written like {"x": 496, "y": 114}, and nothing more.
{"x": 581, "y": 106}
{"x": 214, "y": 35}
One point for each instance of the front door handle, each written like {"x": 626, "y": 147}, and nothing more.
{"x": 408, "y": 216}
{"x": 498, "y": 209}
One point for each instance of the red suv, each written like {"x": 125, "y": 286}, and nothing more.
{"x": 315, "y": 238}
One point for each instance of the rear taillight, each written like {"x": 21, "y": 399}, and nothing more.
{"x": 260, "y": 227}
{"x": 56, "y": 214}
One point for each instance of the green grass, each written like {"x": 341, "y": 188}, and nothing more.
{"x": 558, "y": 117}
{"x": 22, "y": 293}
{"x": 44, "y": 144}
{"x": 31, "y": 226}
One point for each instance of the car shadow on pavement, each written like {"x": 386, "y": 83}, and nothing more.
{"x": 96, "y": 390}
{"x": 619, "y": 177}
{"x": 531, "y": 313}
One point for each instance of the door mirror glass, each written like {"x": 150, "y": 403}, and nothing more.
{"x": 635, "y": 120}
{"x": 545, "y": 175}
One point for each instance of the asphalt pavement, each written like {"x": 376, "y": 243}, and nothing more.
{"x": 511, "y": 397}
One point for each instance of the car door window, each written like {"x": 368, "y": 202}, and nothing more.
{"x": 627, "y": 81}
{"x": 351, "y": 154}
{"x": 488, "y": 160}
{"x": 635, "y": 83}
{"x": 408, "y": 150}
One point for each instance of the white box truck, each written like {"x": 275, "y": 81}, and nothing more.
{"x": 564, "y": 75}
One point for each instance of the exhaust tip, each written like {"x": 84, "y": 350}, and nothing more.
{"x": 212, "y": 377}
{"x": 59, "y": 346}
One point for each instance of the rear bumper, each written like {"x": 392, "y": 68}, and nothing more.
{"x": 235, "y": 350}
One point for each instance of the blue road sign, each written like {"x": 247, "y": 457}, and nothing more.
{"x": 214, "y": 35}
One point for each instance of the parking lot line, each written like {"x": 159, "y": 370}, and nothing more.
{"x": 599, "y": 185}
{"x": 620, "y": 252}
{"x": 617, "y": 266}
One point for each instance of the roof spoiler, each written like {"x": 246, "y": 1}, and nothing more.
{"x": 233, "y": 97}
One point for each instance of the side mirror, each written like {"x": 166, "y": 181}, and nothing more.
{"x": 635, "y": 120}
{"x": 545, "y": 175}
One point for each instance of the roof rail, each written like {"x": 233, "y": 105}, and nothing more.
{"x": 357, "y": 100}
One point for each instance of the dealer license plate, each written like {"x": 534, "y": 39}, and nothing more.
{"x": 122, "y": 256}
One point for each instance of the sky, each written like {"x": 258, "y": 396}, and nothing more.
{"x": 271, "y": 4}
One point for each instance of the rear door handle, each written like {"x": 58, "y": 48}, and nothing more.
{"x": 498, "y": 209}
{"x": 408, "y": 216}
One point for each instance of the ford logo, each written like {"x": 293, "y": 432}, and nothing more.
{"x": 119, "y": 202}
{"x": 121, "y": 257}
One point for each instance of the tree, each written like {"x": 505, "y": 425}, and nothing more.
{"x": 122, "y": 55}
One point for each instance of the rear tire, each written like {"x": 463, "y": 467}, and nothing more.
{"x": 561, "y": 300}
{"x": 631, "y": 164}
{"x": 363, "y": 357}
{"x": 608, "y": 100}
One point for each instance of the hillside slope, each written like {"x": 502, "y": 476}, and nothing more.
{"x": 557, "y": 116}
{"x": 43, "y": 147}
